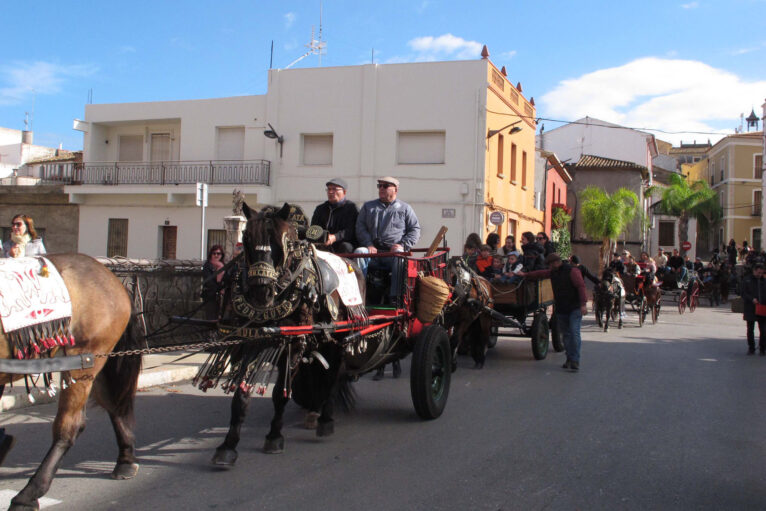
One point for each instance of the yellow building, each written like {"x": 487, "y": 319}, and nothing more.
{"x": 734, "y": 171}
{"x": 509, "y": 173}
{"x": 695, "y": 171}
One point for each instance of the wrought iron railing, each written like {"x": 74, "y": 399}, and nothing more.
{"x": 158, "y": 173}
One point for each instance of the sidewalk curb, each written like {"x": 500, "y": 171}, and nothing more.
{"x": 16, "y": 398}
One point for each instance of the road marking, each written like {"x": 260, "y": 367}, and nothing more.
{"x": 708, "y": 360}
{"x": 7, "y": 495}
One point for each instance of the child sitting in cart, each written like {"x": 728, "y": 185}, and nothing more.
{"x": 484, "y": 261}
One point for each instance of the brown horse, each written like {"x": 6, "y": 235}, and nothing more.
{"x": 101, "y": 316}
{"x": 466, "y": 311}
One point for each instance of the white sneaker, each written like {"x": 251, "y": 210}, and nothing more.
{"x": 622, "y": 315}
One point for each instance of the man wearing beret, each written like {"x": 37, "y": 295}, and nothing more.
{"x": 386, "y": 224}
{"x": 337, "y": 215}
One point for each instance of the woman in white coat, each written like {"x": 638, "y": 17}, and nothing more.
{"x": 24, "y": 235}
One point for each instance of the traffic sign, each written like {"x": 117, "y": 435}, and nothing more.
{"x": 496, "y": 218}
{"x": 686, "y": 245}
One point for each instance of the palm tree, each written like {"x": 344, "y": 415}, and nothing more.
{"x": 605, "y": 217}
{"x": 684, "y": 200}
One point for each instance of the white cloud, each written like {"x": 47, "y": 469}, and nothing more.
{"x": 508, "y": 54}
{"x": 444, "y": 47}
{"x": 21, "y": 80}
{"x": 667, "y": 94}
{"x": 690, "y": 5}
{"x": 423, "y": 6}
{"x": 289, "y": 19}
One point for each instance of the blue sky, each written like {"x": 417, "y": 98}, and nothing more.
{"x": 673, "y": 65}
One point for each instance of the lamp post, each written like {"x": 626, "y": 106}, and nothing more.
{"x": 516, "y": 129}
{"x": 272, "y": 133}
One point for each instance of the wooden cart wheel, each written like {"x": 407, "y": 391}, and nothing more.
{"x": 557, "y": 338}
{"x": 693, "y": 302}
{"x": 641, "y": 311}
{"x": 540, "y": 333}
{"x": 430, "y": 373}
{"x": 682, "y": 302}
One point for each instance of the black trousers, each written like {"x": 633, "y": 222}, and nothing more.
{"x": 761, "y": 333}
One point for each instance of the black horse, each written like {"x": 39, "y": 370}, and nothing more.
{"x": 281, "y": 283}
{"x": 608, "y": 300}
{"x": 466, "y": 313}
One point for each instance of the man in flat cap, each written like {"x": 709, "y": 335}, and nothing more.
{"x": 570, "y": 301}
{"x": 386, "y": 224}
{"x": 337, "y": 215}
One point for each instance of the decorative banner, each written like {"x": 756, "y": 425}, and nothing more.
{"x": 32, "y": 292}
{"x": 348, "y": 287}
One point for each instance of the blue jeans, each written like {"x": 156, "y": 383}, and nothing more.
{"x": 570, "y": 329}
{"x": 394, "y": 265}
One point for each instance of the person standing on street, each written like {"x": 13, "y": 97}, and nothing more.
{"x": 753, "y": 295}
{"x": 570, "y": 302}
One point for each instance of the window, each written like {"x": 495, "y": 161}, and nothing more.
{"x": 317, "y": 149}
{"x": 117, "y": 238}
{"x": 712, "y": 172}
{"x": 723, "y": 166}
{"x": 421, "y": 147}
{"x": 524, "y": 169}
{"x": 160, "y": 147}
{"x": 216, "y": 237}
{"x": 500, "y": 141}
{"x": 131, "y": 148}
{"x": 513, "y": 163}
{"x": 757, "y": 197}
{"x": 230, "y": 143}
{"x": 667, "y": 234}
{"x": 169, "y": 237}
{"x": 758, "y": 166}
{"x": 756, "y": 241}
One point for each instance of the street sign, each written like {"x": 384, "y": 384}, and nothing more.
{"x": 686, "y": 245}
{"x": 496, "y": 218}
{"x": 202, "y": 194}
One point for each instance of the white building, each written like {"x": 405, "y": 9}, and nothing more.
{"x": 17, "y": 148}
{"x": 424, "y": 123}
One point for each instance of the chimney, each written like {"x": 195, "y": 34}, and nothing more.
{"x": 27, "y": 137}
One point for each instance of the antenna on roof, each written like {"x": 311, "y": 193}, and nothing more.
{"x": 316, "y": 46}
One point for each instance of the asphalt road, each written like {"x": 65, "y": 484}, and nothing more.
{"x": 668, "y": 416}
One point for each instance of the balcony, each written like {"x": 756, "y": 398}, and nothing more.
{"x": 756, "y": 211}
{"x": 255, "y": 172}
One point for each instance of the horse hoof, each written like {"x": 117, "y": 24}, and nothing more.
{"x": 325, "y": 428}
{"x": 478, "y": 365}
{"x": 18, "y": 506}
{"x": 124, "y": 471}
{"x": 224, "y": 458}
{"x": 276, "y": 446}
{"x": 311, "y": 420}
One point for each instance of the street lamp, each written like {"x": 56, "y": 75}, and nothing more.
{"x": 272, "y": 133}
{"x": 515, "y": 129}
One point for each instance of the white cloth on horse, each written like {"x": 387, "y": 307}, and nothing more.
{"x": 33, "y": 293}
{"x": 622, "y": 285}
{"x": 348, "y": 287}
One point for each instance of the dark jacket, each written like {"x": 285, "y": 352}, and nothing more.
{"x": 617, "y": 266}
{"x": 338, "y": 219}
{"x": 533, "y": 257}
{"x": 568, "y": 287}
{"x": 752, "y": 288}
{"x": 731, "y": 252}
{"x": 210, "y": 284}
{"x": 675, "y": 261}
{"x": 549, "y": 248}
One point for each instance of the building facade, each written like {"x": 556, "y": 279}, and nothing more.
{"x": 447, "y": 130}
{"x": 734, "y": 171}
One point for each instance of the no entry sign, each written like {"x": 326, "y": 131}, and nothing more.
{"x": 686, "y": 245}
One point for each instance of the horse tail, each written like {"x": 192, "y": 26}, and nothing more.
{"x": 345, "y": 397}
{"x": 121, "y": 372}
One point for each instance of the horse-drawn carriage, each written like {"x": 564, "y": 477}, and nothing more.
{"x": 287, "y": 310}
{"x": 681, "y": 289}
{"x": 642, "y": 296}
{"x": 526, "y": 309}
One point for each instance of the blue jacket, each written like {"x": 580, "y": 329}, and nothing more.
{"x": 389, "y": 223}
